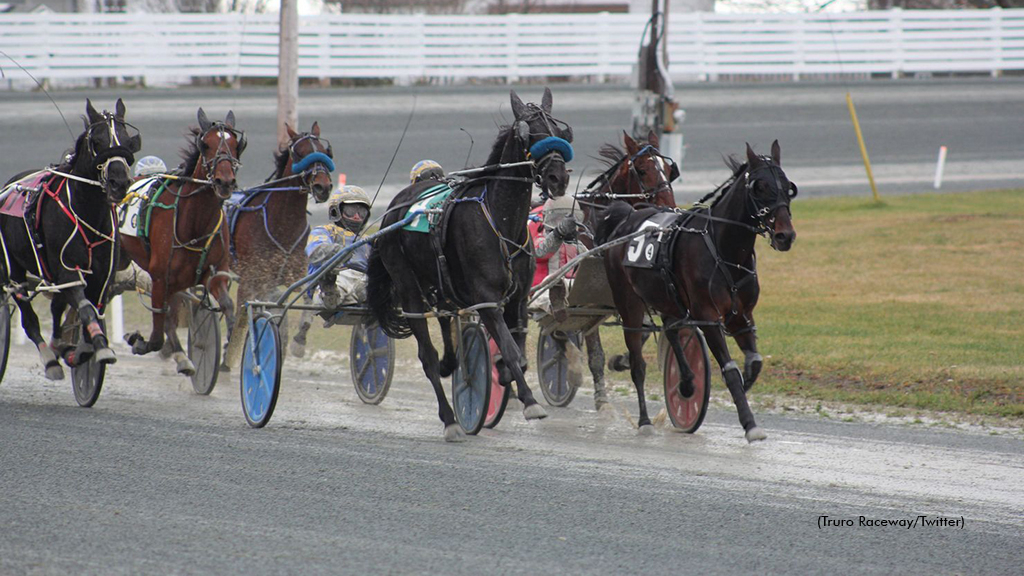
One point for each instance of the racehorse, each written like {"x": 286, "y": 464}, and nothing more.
{"x": 638, "y": 175}
{"x": 268, "y": 226}
{"x": 71, "y": 219}
{"x": 187, "y": 243}
{"x": 705, "y": 273}
{"x": 484, "y": 255}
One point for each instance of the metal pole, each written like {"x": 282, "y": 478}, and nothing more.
{"x": 288, "y": 70}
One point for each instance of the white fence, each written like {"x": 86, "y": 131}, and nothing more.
{"x": 158, "y": 47}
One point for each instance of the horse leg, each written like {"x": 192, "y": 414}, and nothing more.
{"x": 595, "y": 361}
{"x": 511, "y": 357}
{"x": 158, "y": 301}
{"x": 30, "y": 323}
{"x": 450, "y": 360}
{"x": 428, "y": 358}
{"x": 236, "y": 340}
{"x": 734, "y": 381}
{"x": 298, "y": 345}
{"x": 219, "y": 288}
{"x": 686, "y": 374}
{"x": 183, "y": 364}
{"x": 745, "y": 334}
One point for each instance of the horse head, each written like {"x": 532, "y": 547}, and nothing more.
{"x": 220, "y": 147}
{"x": 647, "y": 172}
{"x": 109, "y": 145}
{"x": 312, "y": 159}
{"x": 546, "y": 141}
{"x": 769, "y": 193}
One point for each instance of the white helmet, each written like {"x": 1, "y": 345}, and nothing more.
{"x": 148, "y": 166}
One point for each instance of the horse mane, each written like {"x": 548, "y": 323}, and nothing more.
{"x": 738, "y": 168}
{"x": 190, "y": 153}
{"x": 611, "y": 154}
{"x": 68, "y": 164}
{"x": 499, "y": 145}
{"x": 280, "y": 160}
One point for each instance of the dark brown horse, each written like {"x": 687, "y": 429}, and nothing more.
{"x": 705, "y": 272}
{"x": 269, "y": 226}
{"x": 187, "y": 244}
{"x": 640, "y": 174}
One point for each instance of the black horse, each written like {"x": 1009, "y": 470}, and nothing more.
{"x": 484, "y": 253}
{"x": 73, "y": 222}
{"x": 704, "y": 273}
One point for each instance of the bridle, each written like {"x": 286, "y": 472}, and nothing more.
{"x": 116, "y": 151}
{"x": 593, "y": 190}
{"x": 223, "y": 152}
{"x": 309, "y": 166}
{"x": 763, "y": 210}
{"x": 548, "y": 149}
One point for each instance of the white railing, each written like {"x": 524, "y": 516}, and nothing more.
{"x": 159, "y": 47}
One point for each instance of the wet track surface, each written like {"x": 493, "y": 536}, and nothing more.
{"x": 157, "y": 479}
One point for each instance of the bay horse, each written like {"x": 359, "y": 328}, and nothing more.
{"x": 74, "y": 224}
{"x": 485, "y": 253}
{"x": 637, "y": 175}
{"x": 187, "y": 243}
{"x": 706, "y": 274}
{"x": 269, "y": 226}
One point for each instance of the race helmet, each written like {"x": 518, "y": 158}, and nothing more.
{"x": 148, "y": 166}
{"x": 349, "y": 208}
{"x": 426, "y": 170}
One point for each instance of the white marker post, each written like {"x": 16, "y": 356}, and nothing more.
{"x": 940, "y": 167}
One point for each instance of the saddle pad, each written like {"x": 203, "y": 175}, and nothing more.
{"x": 429, "y": 199}
{"x": 129, "y": 211}
{"x": 643, "y": 251}
{"x": 13, "y": 200}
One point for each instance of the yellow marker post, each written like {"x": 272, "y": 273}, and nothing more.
{"x": 863, "y": 148}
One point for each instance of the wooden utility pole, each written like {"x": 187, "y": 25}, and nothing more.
{"x": 288, "y": 70}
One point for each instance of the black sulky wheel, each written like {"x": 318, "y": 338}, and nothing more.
{"x": 5, "y": 332}
{"x": 471, "y": 381}
{"x": 260, "y": 374}
{"x": 553, "y": 369}
{"x": 87, "y": 379}
{"x": 687, "y": 412}
{"x": 372, "y": 362}
{"x": 499, "y": 394}
{"x": 204, "y": 347}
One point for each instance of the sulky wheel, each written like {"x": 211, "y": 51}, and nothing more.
{"x": 471, "y": 381}
{"x": 687, "y": 412}
{"x": 261, "y": 371}
{"x": 499, "y": 394}
{"x": 5, "y": 332}
{"x": 553, "y": 368}
{"x": 372, "y": 362}
{"x": 204, "y": 347}
{"x": 87, "y": 379}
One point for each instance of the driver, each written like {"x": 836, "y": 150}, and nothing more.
{"x": 426, "y": 170}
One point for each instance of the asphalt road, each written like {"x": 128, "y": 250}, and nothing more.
{"x": 155, "y": 479}
{"x": 904, "y": 123}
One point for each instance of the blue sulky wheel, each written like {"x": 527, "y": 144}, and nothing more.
{"x": 261, "y": 371}
{"x": 471, "y": 381}
{"x": 204, "y": 347}
{"x": 553, "y": 368}
{"x": 5, "y": 332}
{"x": 87, "y": 379}
{"x": 687, "y": 412}
{"x": 372, "y": 362}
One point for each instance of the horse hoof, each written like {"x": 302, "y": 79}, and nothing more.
{"x": 225, "y": 368}
{"x": 454, "y": 433}
{"x": 755, "y": 434}
{"x": 297, "y": 350}
{"x": 54, "y": 372}
{"x": 105, "y": 356}
{"x": 185, "y": 366}
{"x": 646, "y": 430}
{"x": 534, "y": 412}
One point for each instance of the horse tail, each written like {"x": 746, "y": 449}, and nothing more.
{"x": 380, "y": 296}
{"x": 610, "y": 221}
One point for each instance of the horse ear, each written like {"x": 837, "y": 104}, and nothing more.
{"x": 546, "y": 100}
{"x": 230, "y": 118}
{"x": 652, "y": 139}
{"x": 776, "y": 153}
{"x": 631, "y": 146}
{"x": 315, "y": 130}
{"x": 752, "y": 159}
{"x": 518, "y": 108}
{"x": 119, "y": 109}
{"x": 204, "y": 122}
{"x": 291, "y": 133}
{"x": 91, "y": 112}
